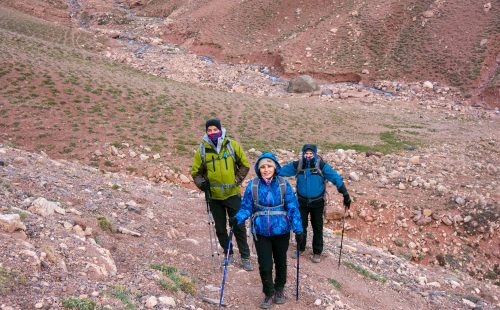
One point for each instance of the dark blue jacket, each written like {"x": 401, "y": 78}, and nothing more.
{"x": 270, "y": 198}
{"x": 311, "y": 184}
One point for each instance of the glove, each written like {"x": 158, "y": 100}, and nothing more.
{"x": 347, "y": 201}
{"x": 233, "y": 222}
{"x": 299, "y": 238}
{"x": 347, "y": 198}
{"x": 205, "y": 186}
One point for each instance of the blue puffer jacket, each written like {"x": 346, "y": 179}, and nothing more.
{"x": 310, "y": 184}
{"x": 269, "y": 196}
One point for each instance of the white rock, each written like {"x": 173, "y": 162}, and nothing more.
{"x": 434, "y": 284}
{"x": 468, "y": 303}
{"x": 43, "y": 207}
{"x": 394, "y": 174}
{"x": 143, "y": 157}
{"x": 428, "y": 85}
{"x": 422, "y": 280}
{"x": 126, "y": 231}
{"x": 167, "y": 301}
{"x": 11, "y": 222}
{"x": 441, "y": 188}
{"x": 184, "y": 179}
{"x": 460, "y": 200}
{"x": 401, "y": 186}
{"x": 415, "y": 160}
{"x": 39, "y": 305}
{"x": 317, "y": 302}
{"x": 156, "y": 156}
{"x": 354, "y": 176}
{"x": 151, "y": 302}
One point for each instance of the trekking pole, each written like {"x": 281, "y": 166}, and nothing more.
{"x": 342, "y": 237}
{"x": 226, "y": 262}
{"x": 211, "y": 228}
{"x": 298, "y": 268}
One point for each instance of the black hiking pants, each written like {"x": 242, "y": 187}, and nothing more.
{"x": 219, "y": 208}
{"x": 313, "y": 208}
{"x": 269, "y": 248}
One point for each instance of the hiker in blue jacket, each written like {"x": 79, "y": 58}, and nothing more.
{"x": 272, "y": 205}
{"x": 312, "y": 173}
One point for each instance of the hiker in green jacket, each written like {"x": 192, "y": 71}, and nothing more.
{"x": 219, "y": 167}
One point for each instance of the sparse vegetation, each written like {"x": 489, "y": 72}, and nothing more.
{"x": 11, "y": 279}
{"x": 78, "y": 303}
{"x": 336, "y": 284}
{"x": 104, "y": 223}
{"x": 174, "y": 280}
{"x": 364, "y": 272}
{"x": 121, "y": 293}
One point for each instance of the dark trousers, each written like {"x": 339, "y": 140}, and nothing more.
{"x": 219, "y": 208}
{"x": 315, "y": 210}
{"x": 269, "y": 248}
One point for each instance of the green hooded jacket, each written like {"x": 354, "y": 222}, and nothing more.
{"x": 223, "y": 174}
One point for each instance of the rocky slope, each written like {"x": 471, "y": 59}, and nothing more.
{"x": 72, "y": 235}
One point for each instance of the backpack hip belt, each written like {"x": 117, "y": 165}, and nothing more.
{"x": 223, "y": 187}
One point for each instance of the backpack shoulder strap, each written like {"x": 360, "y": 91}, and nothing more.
{"x": 229, "y": 146}
{"x": 203, "y": 153}
{"x": 300, "y": 166}
{"x": 320, "y": 163}
{"x": 255, "y": 190}
{"x": 282, "y": 184}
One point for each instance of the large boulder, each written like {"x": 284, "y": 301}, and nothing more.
{"x": 11, "y": 222}
{"x": 302, "y": 84}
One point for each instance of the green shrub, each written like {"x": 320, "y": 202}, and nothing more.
{"x": 77, "y": 303}
{"x": 104, "y": 223}
{"x": 364, "y": 272}
{"x": 174, "y": 281}
{"x": 335, "y": 283}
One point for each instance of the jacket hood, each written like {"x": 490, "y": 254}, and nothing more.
{"x": 270, "y": 156}
{"x": 311, "y": 147}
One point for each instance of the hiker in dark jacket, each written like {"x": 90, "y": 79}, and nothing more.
{"x": 311, "y": 172}
{"x": 219, "y": 167}
{"x": 271, "y": 203}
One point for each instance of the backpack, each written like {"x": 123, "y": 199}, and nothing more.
{"x": 318, "y": 166}
{"x": 229, "y": 146}
{"x": 318, "y": 169}
{"x": 255, "y": 191}
{"x": 259, "y": 210}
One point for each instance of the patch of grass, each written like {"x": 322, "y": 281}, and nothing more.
{"x": 121, "y": 293}
{"x": 11, "y": 279}
{"x": 391, "y": 143}
{"x": 175, "y": 280}
{"x": 104, "y": 223}
{"x": 335, "y": 283}
{"x": 115, "y": 187}
{"x": 78, "y": 303}
{"x": 366, "y": 273}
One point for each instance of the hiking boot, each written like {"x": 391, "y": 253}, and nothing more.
{"x": 267, "y": 303}
{"x": 279, "y": 297}
{"x": 316, "y": 258}
{"x": 293, "y": 254}
{"x": 246, "y": 264}
{"x": 230, "y": 260}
